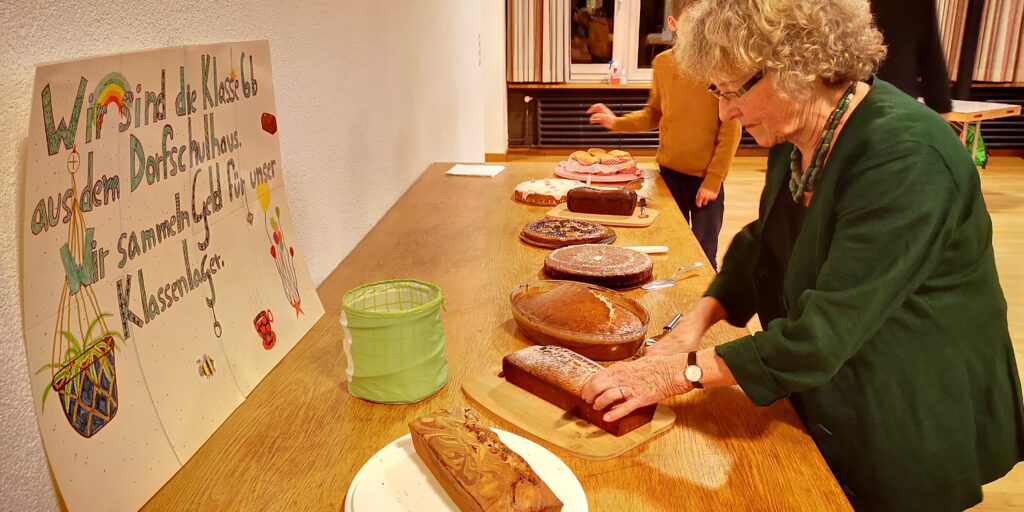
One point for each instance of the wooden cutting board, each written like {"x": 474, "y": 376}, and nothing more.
{"x": 561, "y": 211}
{"x": 548, "y": 422}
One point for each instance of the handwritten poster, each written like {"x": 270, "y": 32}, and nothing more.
{"x": 162, "y": 280}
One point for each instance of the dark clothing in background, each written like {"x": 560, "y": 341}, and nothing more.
{"x": 915, "y": 62}
{"x": 705, "y": 222}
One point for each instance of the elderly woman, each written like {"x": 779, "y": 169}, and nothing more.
{"x": 870, "y": 265}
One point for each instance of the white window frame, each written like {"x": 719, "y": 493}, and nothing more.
{"x": 625, "y": 49}
{"x": 598, "y": 73}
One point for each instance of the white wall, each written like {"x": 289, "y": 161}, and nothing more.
{"x": 369, "y": 93}
{"x": 493, "y": 56}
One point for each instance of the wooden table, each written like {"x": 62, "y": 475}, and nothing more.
{"x": 299, "y": 438}
{"x": 968, "y": 112}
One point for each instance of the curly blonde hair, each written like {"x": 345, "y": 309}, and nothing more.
{"x": 795, "y": 41}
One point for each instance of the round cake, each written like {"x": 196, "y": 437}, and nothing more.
{"x": 603, "y": 265}
{"x": 561, "y": 232}
{"x": 544, "y": 192}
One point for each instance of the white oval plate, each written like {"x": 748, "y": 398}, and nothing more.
{"x": 395, "y": 478}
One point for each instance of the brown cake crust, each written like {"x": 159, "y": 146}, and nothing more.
{"x": 576, "y": 308}
{"x": 558, "y": 375}
{"x": 601, "y": 201}
{"x": 603, "y": 265}
{"x": 565, "y": 231}
{"x": 478, "y": 471}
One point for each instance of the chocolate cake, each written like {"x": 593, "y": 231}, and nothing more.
{"x": 478, "y": 471}
{"x": 558, "y": 375}
{"x": 601, "y": 201}
{"x": 603, "y": 265}
{"x": 561, "y": 232}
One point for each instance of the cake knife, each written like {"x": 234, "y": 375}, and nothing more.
{"x": 654, "y": 339}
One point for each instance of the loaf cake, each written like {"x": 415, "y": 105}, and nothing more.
{"x": 600, "y": 162}
{"x": 561, "y": 232}
{"x": 558, "y": 375}
{"x": 544, "y": 192}
{"x": 603, "y": 265}
{"x": 575, "y": 307}
{"x": 603, "y": 201}
{"x": 478, "y": 471}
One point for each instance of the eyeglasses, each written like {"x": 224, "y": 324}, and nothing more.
{"x": 735, "y": 95}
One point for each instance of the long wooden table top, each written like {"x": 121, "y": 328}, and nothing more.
{"x": 299, "y": 438}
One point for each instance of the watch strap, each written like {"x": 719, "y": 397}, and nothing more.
{"x": 691, "y": 360}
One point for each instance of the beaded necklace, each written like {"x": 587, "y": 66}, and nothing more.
{"x": 801, "y": 182}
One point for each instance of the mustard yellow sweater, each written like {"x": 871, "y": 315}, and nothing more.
{"x": 692, "y": 140}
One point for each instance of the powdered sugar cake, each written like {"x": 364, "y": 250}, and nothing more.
{"x": 603, "y": 265}
{"x": 558, "y": 375}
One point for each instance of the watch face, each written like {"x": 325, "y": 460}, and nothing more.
{"x": 693, "y": 373}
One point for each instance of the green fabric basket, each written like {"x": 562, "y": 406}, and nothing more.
{"x": 394, "y": 342}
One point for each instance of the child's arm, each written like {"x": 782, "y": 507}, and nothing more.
{"x": 726, "y": 142}
{"x": 645, "y": 119}
{"x": 642, "y": 120}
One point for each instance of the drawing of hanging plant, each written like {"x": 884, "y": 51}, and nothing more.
{"x": 86, "y": 379}
{"x": 82, "y": 367}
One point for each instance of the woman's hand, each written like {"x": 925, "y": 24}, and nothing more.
{"x": 632, "y": 385}
{"x": 682, "y": 339}
{"x": 688, "y": 332}
{"x": 602, "y": 115}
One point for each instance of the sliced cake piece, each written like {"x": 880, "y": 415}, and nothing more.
{"x": 478, "y": 471}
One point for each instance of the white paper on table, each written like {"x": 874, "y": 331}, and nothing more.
{"x": 489, "y": 171}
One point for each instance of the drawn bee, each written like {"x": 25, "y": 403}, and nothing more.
{"x": 206, "y": 368}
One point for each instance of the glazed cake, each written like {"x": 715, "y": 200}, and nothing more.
{"x": 544, "y": 192}
{"x": 603, "y": 265}
{"x": 565, "y": 232}
{"x": 478, "y": 471}
{"x": 558, "y": 375}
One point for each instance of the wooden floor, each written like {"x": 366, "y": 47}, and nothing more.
{"x": 1003, "y": 188}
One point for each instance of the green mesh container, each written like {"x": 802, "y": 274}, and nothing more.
{"x": 394, "y": 342}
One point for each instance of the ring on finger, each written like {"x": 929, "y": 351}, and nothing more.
{"x": 621, "y": 392}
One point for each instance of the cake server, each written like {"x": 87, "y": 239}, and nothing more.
{"x": 665, "y": 282}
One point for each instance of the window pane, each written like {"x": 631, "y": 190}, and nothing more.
{"x": 592, "y": 23}
{"x": 655, "y": 36}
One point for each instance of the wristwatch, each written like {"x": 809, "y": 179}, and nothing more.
{"x": 693, "y": 373}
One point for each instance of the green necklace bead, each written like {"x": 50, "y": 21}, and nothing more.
{"x": 801, "y": 182}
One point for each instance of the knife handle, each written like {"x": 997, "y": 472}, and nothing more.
{"x": 675, "y": 320}
{"x": 649, "y": 249}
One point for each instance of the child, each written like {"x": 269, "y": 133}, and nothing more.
{"x": 695, "y": 149}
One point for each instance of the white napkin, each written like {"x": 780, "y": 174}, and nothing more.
{"x": 475, "y": 170}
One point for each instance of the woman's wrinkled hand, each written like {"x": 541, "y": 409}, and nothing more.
{"x": 682, "y": 339}
{"x": 631, "y": 385}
